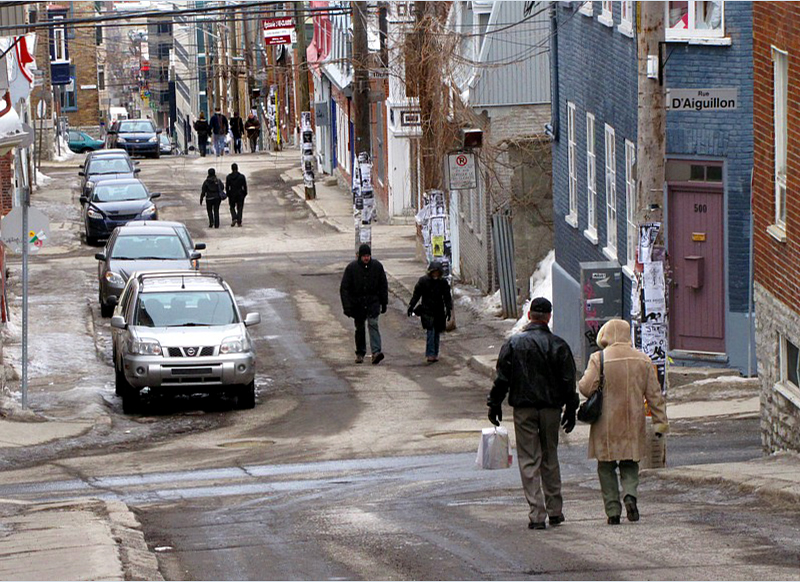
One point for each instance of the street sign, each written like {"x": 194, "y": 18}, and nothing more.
{"x": 277, "y": 31}
{"x": 462, "y": 171}
{"x": 720, "y": 99}
{"x": 11, "y": 230}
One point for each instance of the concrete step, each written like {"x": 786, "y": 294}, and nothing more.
{"x": 681, "y": 376}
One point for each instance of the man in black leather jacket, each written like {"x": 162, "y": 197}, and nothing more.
{"x": 537, "y": 371}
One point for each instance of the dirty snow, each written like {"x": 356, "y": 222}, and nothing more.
{"x": 724, "y": 379}
{"x": 42, "y": 179}
{"x": 66, "y": 153}
{"x": 541, "y": 285}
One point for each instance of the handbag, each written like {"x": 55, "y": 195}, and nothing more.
{"x": 222, "y": 194}
{"x": 592, "y": 407}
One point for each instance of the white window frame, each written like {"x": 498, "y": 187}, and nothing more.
{"x": 780, "y": 93}
{"x": 572, "y": 217}
{"x": 692, "y": 32}
{"x": 784, "y": 362}
{"x": 632, "y": 230}
{"x": 606, "y": 13}
{"x": 626, "y": 17}
{"x": 591, "y": 179}
{"x": 610, "y": 249}
{"x": 59, "y": 42}
{"x": 587, "y": 8}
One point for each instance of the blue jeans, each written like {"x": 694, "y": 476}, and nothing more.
{"x": 219, "y": 144}
{"x": 432, "y": 344}
{"x": 374, "y": 336}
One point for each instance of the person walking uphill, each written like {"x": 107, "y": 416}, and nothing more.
{"x": 253, "y": 128}
{"x": 202, "y": 128}
{"x": 617, "y": 439}
{"x": 237, "y": 129}
{"x": 213, "y": 191}
{"x": 435, "y": 308}
{"x": 537, "y": 371}
{"x": 219, "y": 127}
{"x": 365, "y": 295}
{"x": 236, "y": 188}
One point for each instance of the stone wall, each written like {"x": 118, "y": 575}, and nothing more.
{"x": 780, "y": 404}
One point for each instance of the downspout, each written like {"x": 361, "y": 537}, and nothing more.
{"x": 551, "y": 129}
{"x": 750, "y": 314}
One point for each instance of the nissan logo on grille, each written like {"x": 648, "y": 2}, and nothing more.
{"x": 190, "y": 351}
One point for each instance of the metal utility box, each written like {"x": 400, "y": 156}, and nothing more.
{"x": 601, "y": 300}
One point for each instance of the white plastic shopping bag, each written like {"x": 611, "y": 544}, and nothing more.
{"x": 494, "y": 451}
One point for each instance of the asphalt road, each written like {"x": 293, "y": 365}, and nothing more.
{"x": 346, "y": 471}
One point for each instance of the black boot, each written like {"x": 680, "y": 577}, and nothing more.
{"x": 613, "y": 520}
{"x": 630, "y": 508}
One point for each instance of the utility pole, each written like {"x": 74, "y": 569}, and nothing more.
{"x": 425, "y": 77}
{"x": 361, "y": 77}
{"x": 306, "y": 131}
{"x": 650, "y": 178}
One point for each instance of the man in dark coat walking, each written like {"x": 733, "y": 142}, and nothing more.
{"x": 202, "y": 128}
{"x": 212, "y": 191}
{"x": 537, "y": 371}
{"x": 237, "y": 129}
{"x": 365, "y": 295}
{"x": 236, "y": 188}
{"x": 219, "y": 127}
{"x": 435, "y": 308}
{"x": 253, "y": 128}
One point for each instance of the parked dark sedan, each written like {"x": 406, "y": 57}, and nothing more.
{"x": 133, "y": 248}
{"x": 113, "y": 203}
{"x": 100, "y": 168}
{"x": 136, "y": 136}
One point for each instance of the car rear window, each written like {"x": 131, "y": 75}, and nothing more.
{"x": 137, "y": 127}
{"x": 119, "y": 192}
{"x": 155, "y": 247}
{"x": 185, "y": 309}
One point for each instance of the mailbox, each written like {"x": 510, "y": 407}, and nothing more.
{"x": 694, "y": 269}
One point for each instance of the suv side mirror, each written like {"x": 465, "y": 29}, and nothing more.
{"x": 84, "y": 200}
{"x": 137, "y": 170}
{"x": 195, "y": 255}
{"x": 159, "y": 130}
{"x": 252, "y": 319}
{"x": 100, "y": 256}
{"x": 81, "y": 173}
{"x": 200, "y": 246}
{"x": 155, "y": 195}
{"x": 118, "y": 322}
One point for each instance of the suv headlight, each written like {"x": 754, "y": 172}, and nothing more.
{"x": 149, "y": 210}
{"x": 234, "y": 345}
{"x": 120, "y": 139}
{"x": 146, "y": 347}
{"x": 115, "y": 278}
{"x": 153, "y": 139}
{"x": 93, "y": 213}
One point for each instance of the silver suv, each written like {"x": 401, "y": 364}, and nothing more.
{"x": 181, "y": 332}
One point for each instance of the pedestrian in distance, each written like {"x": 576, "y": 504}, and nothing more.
{"x": 537, "y": 371}
{"x": 213, "y": 191}
{"x": 365, "y": 295}
{"x": 219, "y": 128}
{"x": 253, "y": 128}
{"x": 236, "y": 189}
{"x": 237, "y": 129}
{"x": 202, "y": 128}
{"x": 617, "y": 439}
{"x": 435, "y": 308}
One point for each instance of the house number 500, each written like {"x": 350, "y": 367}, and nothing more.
{"x": 700, "y": 208}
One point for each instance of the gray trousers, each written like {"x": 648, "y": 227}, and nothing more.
{"x": 609, "y": 484}
{"x": 537, "y": 453}
{"x": 374, "y": 336}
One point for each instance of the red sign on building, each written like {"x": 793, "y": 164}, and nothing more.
{"x": 277, "y": 30}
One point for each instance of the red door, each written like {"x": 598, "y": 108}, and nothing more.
{"x": 696, "y": 249}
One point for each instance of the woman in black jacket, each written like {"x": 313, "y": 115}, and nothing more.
{"x": 213, "y": 192}
{"x": 435, "y": 308}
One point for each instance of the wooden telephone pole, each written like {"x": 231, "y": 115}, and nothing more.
{"x": 361, "y": 77}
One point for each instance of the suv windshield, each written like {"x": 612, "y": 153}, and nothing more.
{"x": 104, "y": 193}
{"x": 185, "y": 308}
{"x": 105, "y": 165}
{"x": 136, "y": 127}
{"x": 143, "y": 246}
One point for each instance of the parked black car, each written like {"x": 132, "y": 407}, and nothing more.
{"x": 136, "y": 136}
{"x": 113, "y": 203}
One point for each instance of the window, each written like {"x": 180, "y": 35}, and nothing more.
{"x": 606, "y": 13}
{"x": 163, "y": 50}
{"x": 630, "y": 203}
{"x": 790, "y": 363}
{"x": 695, "y": 19}
{"x": 101, "y": 77}
{"x": 572, "y": 217}
{"x": 98, "y": 35}
{"x": 591, "y": 181}
{"x": 611, "y": 193}
{"x": 780, "y": 89}
{"x": 587, "y": 8}
{"x": 59, "y": 42}
{"x": 68, "y": 94}
{"x": 626, "y": 17}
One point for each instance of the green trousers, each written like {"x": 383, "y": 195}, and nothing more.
{"x": 609, "y": 484}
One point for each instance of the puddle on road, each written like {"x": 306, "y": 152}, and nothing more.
{"x": 455, "y": 434}
{"x": 246, "y": 444}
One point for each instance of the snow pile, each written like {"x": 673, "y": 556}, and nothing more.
{"x": 541, "y": 285}
{"x": 491, "y": 305}
{"x": 66, "y": 153}
{"x": 42, "y": 179}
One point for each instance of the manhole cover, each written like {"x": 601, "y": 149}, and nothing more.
{"x": 453, "y": 434}
{"x": 246, "y": 444}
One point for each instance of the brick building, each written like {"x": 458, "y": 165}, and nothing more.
{"x": 80, "y": 97}
{"x": 776, "y": 217}
{"x": 708, "y": 166}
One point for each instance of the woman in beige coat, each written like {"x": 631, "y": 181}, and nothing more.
{"x": 617, "y": 439}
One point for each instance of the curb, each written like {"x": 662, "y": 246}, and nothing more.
{"x": 482, "y": 365}
{"x": 315, "y": 208}
{"x": 138, "y": 562}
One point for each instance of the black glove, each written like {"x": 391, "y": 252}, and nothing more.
{"x": 410, "y": 311}
{"x": 495, "y": 414}
{"x": 449, "y": 315}
{"x": 568, "y": 420}
{"x": 383, "y": 308}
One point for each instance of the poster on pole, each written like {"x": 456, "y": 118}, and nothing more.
{"x": 648, "y": 233}
{"x": 462, "y": 172}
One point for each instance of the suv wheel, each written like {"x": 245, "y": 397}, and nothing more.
{"x": 246, "y": 396}
{"x": 106, "y": 310}
{"x": 131, "y": 400}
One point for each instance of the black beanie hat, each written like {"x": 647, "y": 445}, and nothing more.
{"x": 541, "y": 305}
{"x": 212, "y": 172}
{"x": 364, "y": 250}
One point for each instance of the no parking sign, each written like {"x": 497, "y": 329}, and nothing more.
{"x": 461, "y": 170}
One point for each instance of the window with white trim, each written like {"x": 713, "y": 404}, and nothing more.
{"x": 630, "y": 204}
{"x": 59, "y": 42}
{"x": 611, "y": 191}
{"x": 626, "y": 16}
{"x": 591, "y": 179}
{"x": 688, "y": 19}
{"x": 606, "y": 13}
{"x": 789, "y": 362}
{"x": 572, "y": 217}
{"x": 780, "y": 93}
{"x": 587, "y": 8}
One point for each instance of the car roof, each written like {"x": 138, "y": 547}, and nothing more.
{"x": 110, "y": 152}
{"x": 132, "y": 228}
{"x": 168, "y": 223}
{"x": 159, "y": 281}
